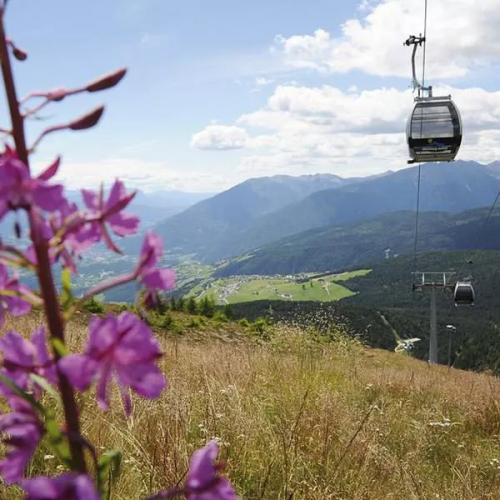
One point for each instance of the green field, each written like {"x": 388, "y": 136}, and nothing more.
{"x": 245, "y": 289}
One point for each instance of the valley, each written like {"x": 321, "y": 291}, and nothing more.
{"x": 301, "y": 287}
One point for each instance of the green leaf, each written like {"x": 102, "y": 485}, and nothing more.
{"x": 57, "y": 441}
{"x": 66, "y": 295}
{"x": 108, "y": 471}
{"x": 58, "y": 345}
{"x": 40, "y": 381}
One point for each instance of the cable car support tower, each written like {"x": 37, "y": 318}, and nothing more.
{"x": 433, "y": 281}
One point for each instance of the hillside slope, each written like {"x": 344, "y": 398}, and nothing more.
{"x": 386, "y": 292}
{"x": 299, "y": 417}
{"x": 340, "y": 246}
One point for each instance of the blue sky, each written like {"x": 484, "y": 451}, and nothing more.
{"x": 195, "y": 63}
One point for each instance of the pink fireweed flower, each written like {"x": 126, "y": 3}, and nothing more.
{"x": 109, "y": 212}
{"x": 68, "y": 486}
{"x": 10, "y": 301}
{"x": 23, "y": 431}
{"x": 202, "y": 482}
{"x": 18, "y": 190}
{"x": 77, "y": 234}
{"x": 22, "y": 357}
{"x": 69, "y": 236}
{"x": 120, "y": 347}
{"x": 46, "y": 232}
{"x": 145, "y": 270}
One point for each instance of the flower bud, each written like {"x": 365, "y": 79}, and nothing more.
{"x": 19, "y": 54}
{"x": 88, "y": 120}
{"x": 57, "y": 94}
{"x": 107, "y": 81}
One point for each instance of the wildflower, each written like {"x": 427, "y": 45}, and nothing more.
{"x": 120, "y": 346}
{"x": 10, "y": 300}
{"x": 24, "y": 431}
{"x": 110, "y": 212}
{"x": 73, "y": 239}
{"x": 18, "y": 190}
{"x": 23, "y": 357}
{"x": 151, "y": 253}
{"x": 202, "y": 482}
{"x": 77, "y": 235}
{"x": 69, "y": 486}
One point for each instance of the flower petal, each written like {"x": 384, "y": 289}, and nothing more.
{"x": 79, "y": 369}
{"x": 160, "y": 279}
{"x": 102, "y": 387}
{"x": 117, "y": 192}
{"x": 48, "y": 197}
{"x": 17, "y": 306}
{"x": 68, "y": 486}
{"x": 124, "y": 224}
{"x": 201, "y": 468}
{"x": 17, "y": 350}
{"x": 145, "y": 379}
{"x": 51, "y": 170}
{"x": 91, "y": 199}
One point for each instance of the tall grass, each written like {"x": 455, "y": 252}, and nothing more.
{"x": 298, "y": 419}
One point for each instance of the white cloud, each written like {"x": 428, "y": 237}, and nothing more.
{"x": 370, "y": 111}
{"x": 262, "y": 81}
{"x": 324, "y": 129}
{"x": 138, "y": 174}
{"x": 220, "y": 137}
{"x": 461, "y": 35}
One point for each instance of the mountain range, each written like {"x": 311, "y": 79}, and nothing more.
{"x": 262, "y": 211}
{"x": 207, "y": 227}
{"x": 151, "y": 207}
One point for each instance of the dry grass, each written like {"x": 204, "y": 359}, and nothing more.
{"x": 300, "y": 421}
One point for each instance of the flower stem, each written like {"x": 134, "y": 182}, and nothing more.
{"x": 103, "y": 287}
{"x": 10, "y": 90}
{"x": 44, "y": 269}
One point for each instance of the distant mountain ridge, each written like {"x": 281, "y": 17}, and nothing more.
{"x": 150, "y": 207}
{"x": 261, "y": 211}
{"x": 220, "y": 219}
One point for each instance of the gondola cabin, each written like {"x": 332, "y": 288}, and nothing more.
{"x": 434, "y": 130}
{"x": 464, "y": 294}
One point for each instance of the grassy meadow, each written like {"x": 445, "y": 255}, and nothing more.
{"x": 300, "y": 418}
{"x": 246, "y": 289}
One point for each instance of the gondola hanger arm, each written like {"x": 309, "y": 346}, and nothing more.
{"x": 417, "y": 41}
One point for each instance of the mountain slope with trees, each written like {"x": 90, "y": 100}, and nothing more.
{"x": 341, "y": 246}
{"x": 385, "y": 308}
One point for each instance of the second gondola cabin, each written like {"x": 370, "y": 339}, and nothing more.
{"x": 464, "y": 294}
{"x": 434, "y": 130}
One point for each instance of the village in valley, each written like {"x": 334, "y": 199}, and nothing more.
{"x": 323, "y": 287}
